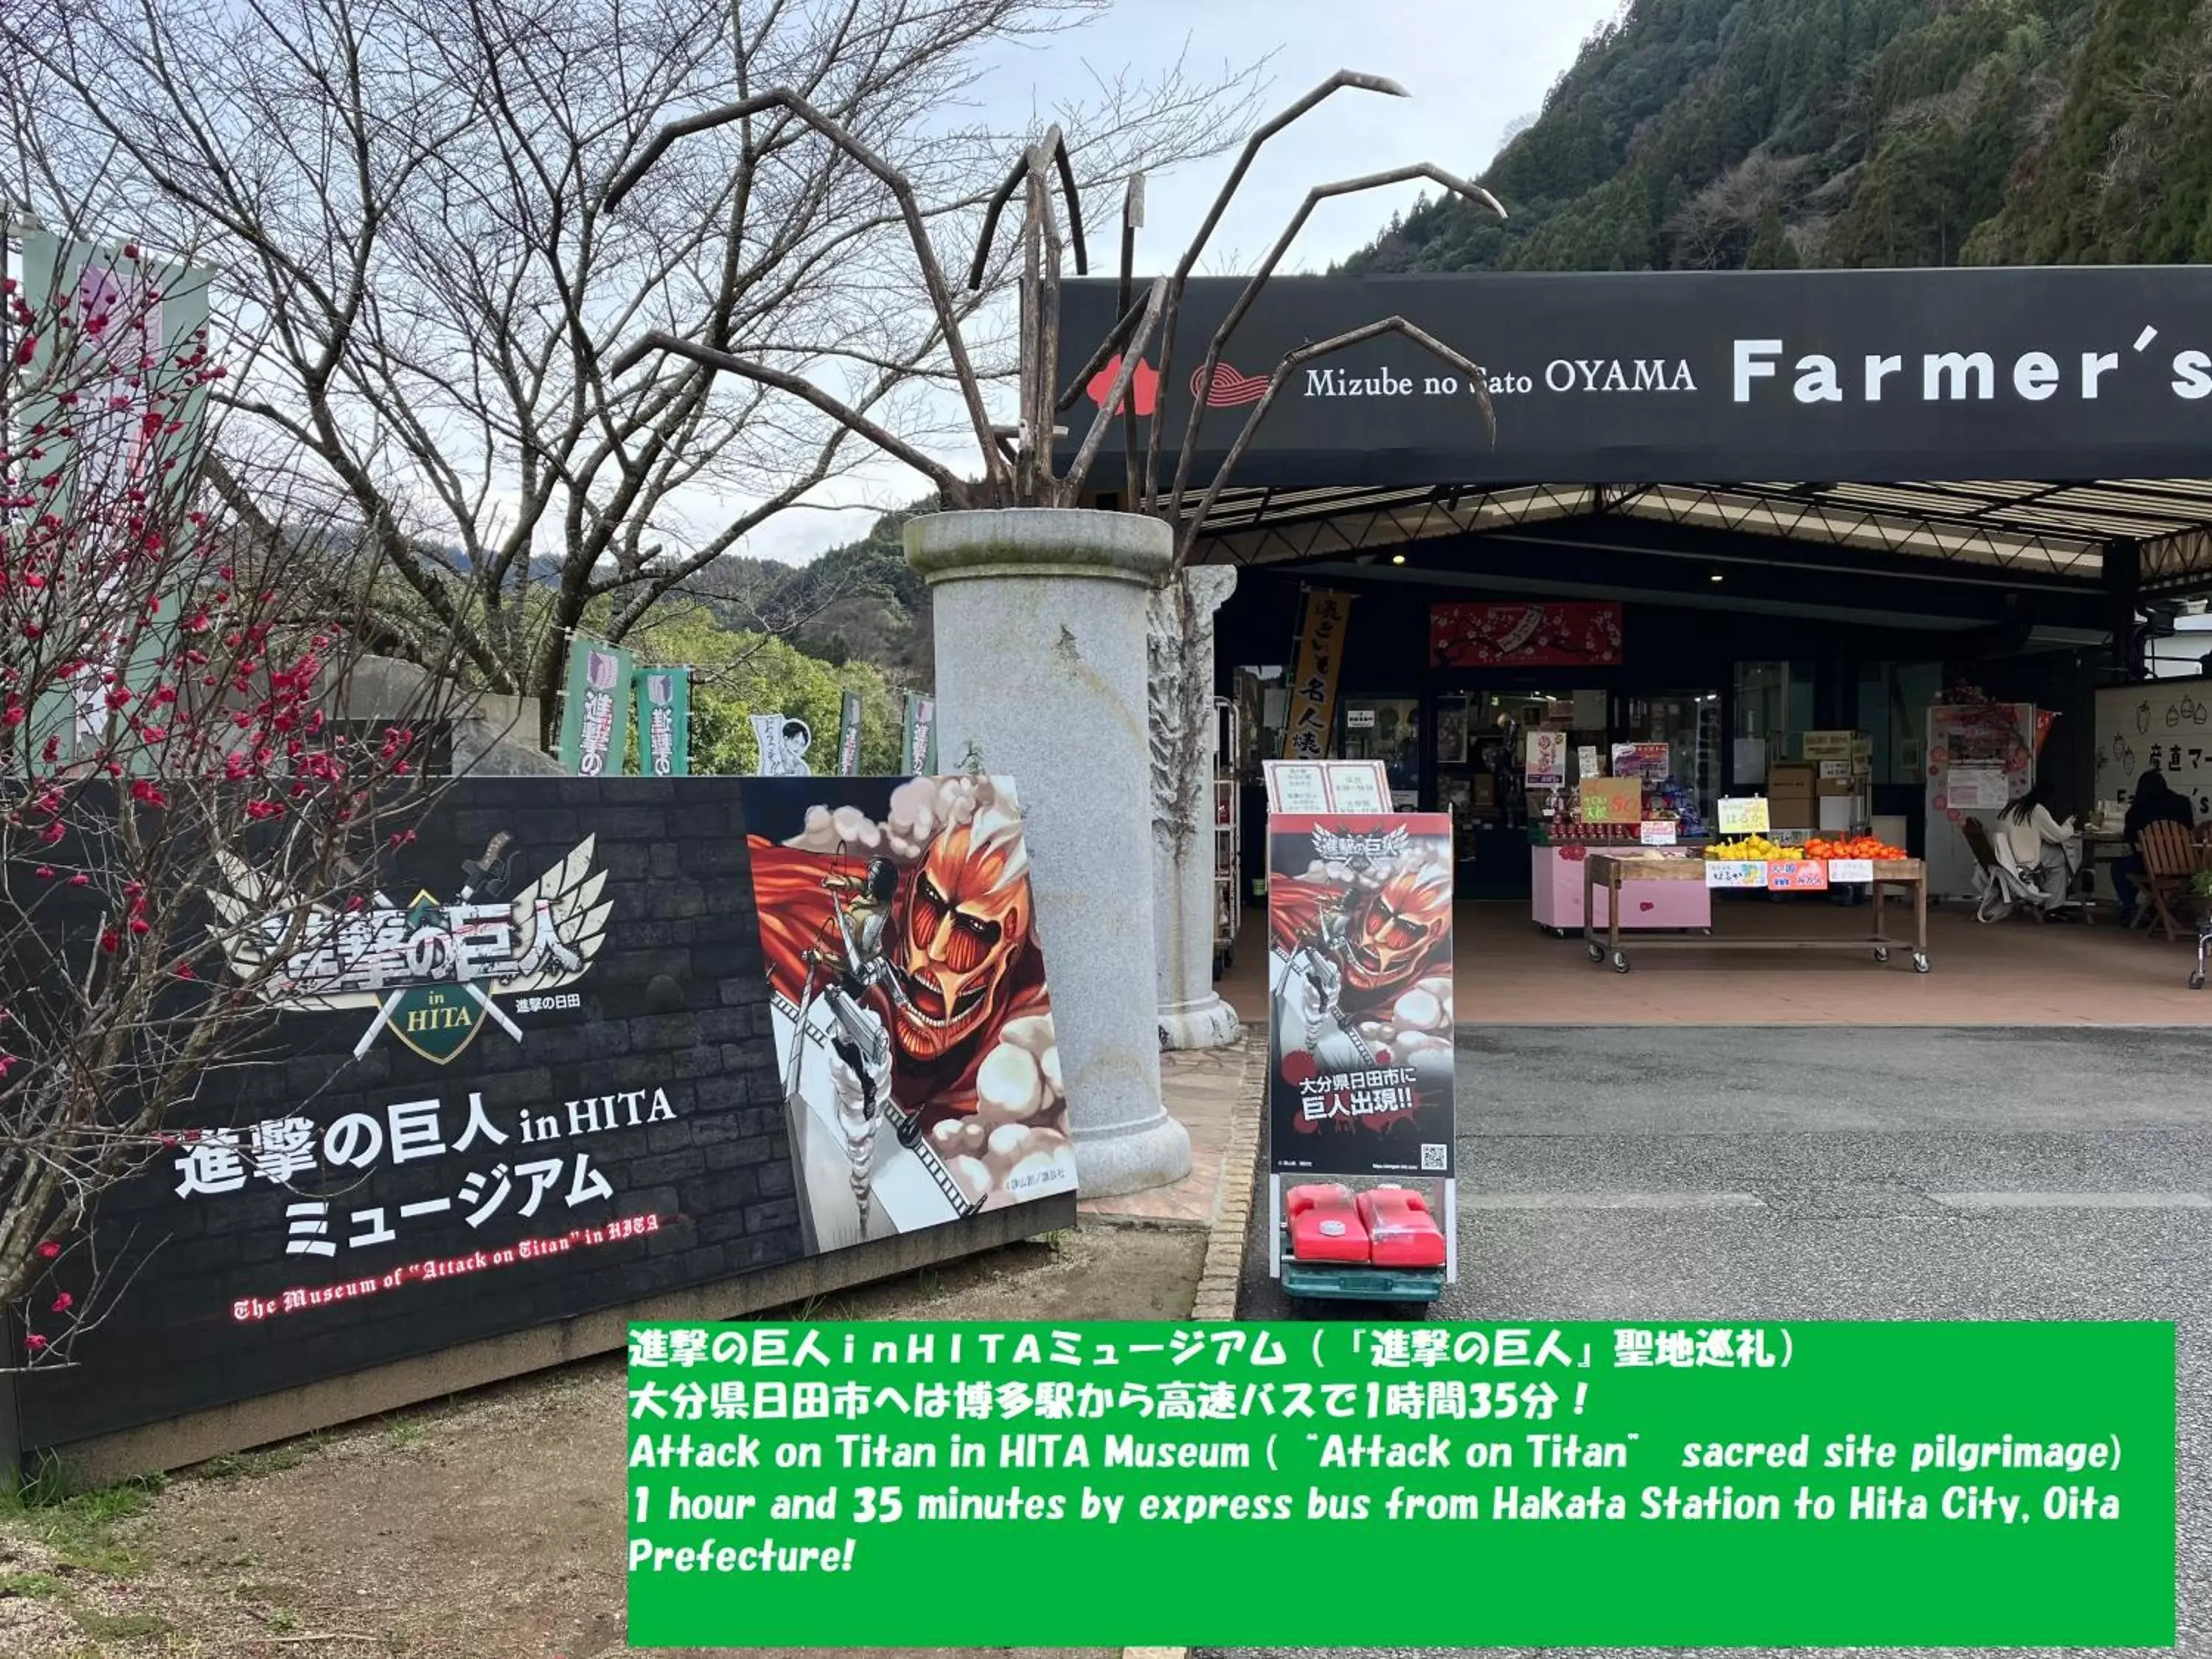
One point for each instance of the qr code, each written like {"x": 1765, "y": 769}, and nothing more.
{"x": 1432, "y": 1154}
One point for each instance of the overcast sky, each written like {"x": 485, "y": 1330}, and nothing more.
{"x": 1470, "y": 65}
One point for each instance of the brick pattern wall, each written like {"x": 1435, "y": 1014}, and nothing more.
{"x": 675, "y": 1001}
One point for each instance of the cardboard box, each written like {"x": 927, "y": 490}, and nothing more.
{"x": 1792, "y": 780}
{"x": 1799, "y": 813}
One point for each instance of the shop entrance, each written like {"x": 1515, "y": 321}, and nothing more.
{"x": 1986, "y": 508}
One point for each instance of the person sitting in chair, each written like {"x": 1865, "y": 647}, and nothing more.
{"x": 2156, "y": 801}
{"x": 2040, "y": 848}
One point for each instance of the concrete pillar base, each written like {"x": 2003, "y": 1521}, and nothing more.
{"x": 1209, "y": 1023}
{"x": 1041, "y": 669}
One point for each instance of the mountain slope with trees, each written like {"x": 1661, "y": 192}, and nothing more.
{"x": 1730, "y": 134}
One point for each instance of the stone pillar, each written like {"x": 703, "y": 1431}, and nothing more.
{"x": 1040, "y": 668}
{"x": 1191, "y": 1014}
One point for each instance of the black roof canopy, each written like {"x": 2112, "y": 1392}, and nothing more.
{"x": 2026, "y": 421}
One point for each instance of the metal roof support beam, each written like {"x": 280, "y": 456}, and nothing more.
{"x": 2124, "y": 599}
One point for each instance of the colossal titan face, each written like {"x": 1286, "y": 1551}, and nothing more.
{"x": 1393, "y": 930}
{"x": 966, "y": 919}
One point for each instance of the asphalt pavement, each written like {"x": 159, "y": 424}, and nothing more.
{"x": 1777, "y": 1174}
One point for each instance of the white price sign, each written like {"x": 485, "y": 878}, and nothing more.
{"x": 1743, "y": 815}
{"x": 1848, "y": 869}
{"x": 1657, "y": 832}
{"x": 1735, "y": 872}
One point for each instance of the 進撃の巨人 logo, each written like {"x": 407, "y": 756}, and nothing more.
{"x": 1359, "y": 851}
{"x": 431, "y": 969}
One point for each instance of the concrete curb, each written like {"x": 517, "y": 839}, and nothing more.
{"x": 1224, "y": 1241}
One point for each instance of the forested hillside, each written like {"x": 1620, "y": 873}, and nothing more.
{"x": 1721, "y": 134}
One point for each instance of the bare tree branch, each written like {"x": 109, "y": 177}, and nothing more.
{"x": 1187, "y": 533}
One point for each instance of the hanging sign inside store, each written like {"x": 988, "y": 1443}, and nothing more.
{"x": 1325, "y": 618}
{"x": 1649, "y": 760}
{"x": 1743, "y": 815}
{"x": 1688, "y": 377}
{"x": 1657, "y": 832}
{"x": 1552, "y": 634}
{"x": 1548, "y": 761}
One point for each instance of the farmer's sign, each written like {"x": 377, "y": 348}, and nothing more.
{"x": 1697, "y": 377}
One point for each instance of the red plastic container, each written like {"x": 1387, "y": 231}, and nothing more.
{"x": 1326, "y": 1224}
{"x": 1401, "y": 1233}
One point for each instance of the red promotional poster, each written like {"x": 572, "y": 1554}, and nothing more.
{"x": 911, "y": 1018}
{"x": 1550, "y": 634}
{"x": 1360, "y": 979}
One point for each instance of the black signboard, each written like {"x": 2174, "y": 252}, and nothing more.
{"x": 2058, "y": 374}
{"x": 550, "y": 1068}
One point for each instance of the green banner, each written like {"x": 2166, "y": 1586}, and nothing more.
{"x": 1662, "y": 1485}
{"x": 921, "y": 734}
{"x": 595, "y": 709}
{"x": 848, "y": 735}
{"x": 129, "y": 360}
{"x": 663, "y": 722}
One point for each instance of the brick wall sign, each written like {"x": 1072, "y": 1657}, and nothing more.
{"x": 595, "y": 1040}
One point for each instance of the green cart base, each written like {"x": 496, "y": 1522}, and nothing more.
{"x": 1356, "y": 1283}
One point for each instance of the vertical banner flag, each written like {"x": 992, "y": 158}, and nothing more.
{"x": 595, "y": 713}
{"x": 664, "y": 716}
{"x": 137, "y": 339}
{"x": 921, "y": 734}
{"x": 848, "y": 735}
{"x": 1313, "y": 683}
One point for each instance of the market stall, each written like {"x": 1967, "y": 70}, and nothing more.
{"x": 1754, "y": 863}
{"x": 1634, "y": 806}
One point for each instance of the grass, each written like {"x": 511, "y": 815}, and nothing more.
{"x": 120, "y": 1626}
{"x": 254, "y": 1465}
{"x": 399, "y": 1433}
{"x": 79, "y": 1528}
{"x": 32, "y": 1586}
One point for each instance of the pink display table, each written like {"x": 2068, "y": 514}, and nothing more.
{"x": 1558, "y": 883}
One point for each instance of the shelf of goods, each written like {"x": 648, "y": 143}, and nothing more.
{"x": 1559, "y": 894}
{"x": 1228, "y": 839}
{"x": 1752, "y": 863}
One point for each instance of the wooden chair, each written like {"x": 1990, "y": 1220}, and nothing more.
{"x": 2170, "y": 857}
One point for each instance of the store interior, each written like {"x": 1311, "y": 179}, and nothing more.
{"x": 1719, "y": 665}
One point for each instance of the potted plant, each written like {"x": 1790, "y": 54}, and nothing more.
{"x": 1073, "y": 642}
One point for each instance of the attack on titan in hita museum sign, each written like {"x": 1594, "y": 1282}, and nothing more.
{"x": 587, "y": 1042}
